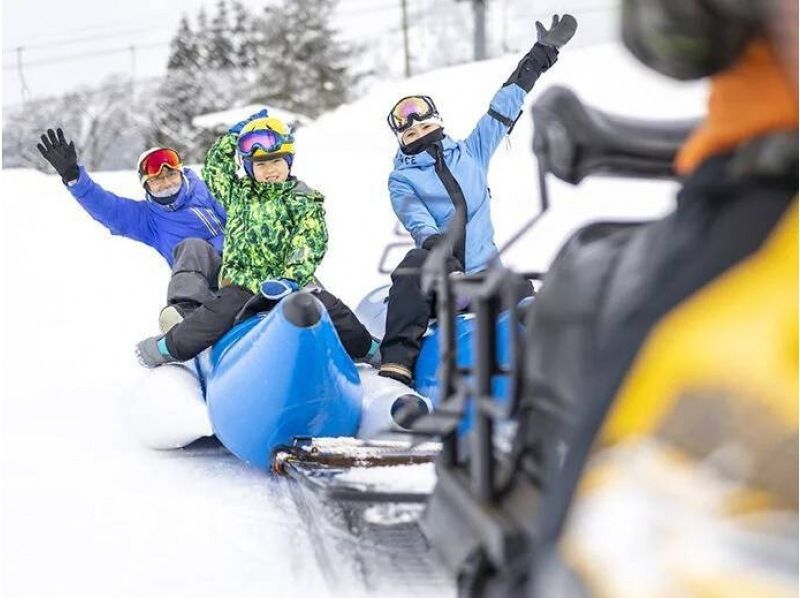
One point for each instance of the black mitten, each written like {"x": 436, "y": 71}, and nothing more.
{"x": 544, "y": 53}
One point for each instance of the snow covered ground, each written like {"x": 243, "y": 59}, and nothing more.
{"x": 86, "y": 511}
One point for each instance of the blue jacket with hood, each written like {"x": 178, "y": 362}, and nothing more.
{"x": 194, "y": 213}
{"x": 420, "y": 199}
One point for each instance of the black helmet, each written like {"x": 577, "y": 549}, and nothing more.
{"x": 690, "y": 39}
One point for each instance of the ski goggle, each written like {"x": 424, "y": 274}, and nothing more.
{"x": 410, "y": 109}
{"x": 266, "y": 140}
{"x": 154, "y": 162}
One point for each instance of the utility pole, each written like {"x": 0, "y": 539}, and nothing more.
{"x": 23, "y": 86}
{"x": 479, "y": 11}
{"x": 133, "y": 70}
{"x": 404, "y": 9}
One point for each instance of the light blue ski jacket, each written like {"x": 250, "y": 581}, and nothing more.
{"x": 420, "y": 199}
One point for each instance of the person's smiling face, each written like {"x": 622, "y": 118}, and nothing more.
{"x": 275, "y": 170}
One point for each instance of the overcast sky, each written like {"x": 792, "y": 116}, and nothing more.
{"x": 57, "y": 35}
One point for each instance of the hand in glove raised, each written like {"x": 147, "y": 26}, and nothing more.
{"x": 562, "y": 29}
{"x": 544, "y": 53}
{"x": 61, "y": 155}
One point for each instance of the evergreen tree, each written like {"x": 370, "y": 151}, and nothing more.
{"x": 244, "y": 36}
{"x": 303, "y": 66}
{"x": 220, "y": 50}
{"x": 203, "y": 40}
{"x": 183, "y": 47}
{"x": 178, "y": 99}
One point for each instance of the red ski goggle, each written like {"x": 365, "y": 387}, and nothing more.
{"x": 266, "y": 140}
{"x": 410, "y": 109}
{"x": 154, "y": 162}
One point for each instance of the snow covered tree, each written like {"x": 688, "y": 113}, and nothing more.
{"x": 220, "y": 46}
{"x": 103, "y": 122}
{"x": 303, "y": 65}
{"x": 245, "y": 35}
{"x": 183, "y": 48}
{"x": 203, "y": 39}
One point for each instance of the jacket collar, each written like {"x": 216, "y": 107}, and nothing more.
{"x": 751, "y": 99}
{"x": 189, "y": 184}
{"x": 403, "y": 161}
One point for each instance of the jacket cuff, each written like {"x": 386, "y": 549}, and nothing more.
{"x": 508, "y": 101}
{"x": 83, "y": 185}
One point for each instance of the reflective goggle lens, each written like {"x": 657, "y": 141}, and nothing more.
{"x": 409, "y": 109}
{"x": 153, "y": 164}
{"x": 266, "y": 140}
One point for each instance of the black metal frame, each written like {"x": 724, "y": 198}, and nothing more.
{"x": 478, "y": 492}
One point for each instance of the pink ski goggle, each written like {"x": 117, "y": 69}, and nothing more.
{"x": 266, "y": 140}
{"x": 410, "y": 109}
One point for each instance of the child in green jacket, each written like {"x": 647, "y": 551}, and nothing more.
{"x": 275, "y": 238}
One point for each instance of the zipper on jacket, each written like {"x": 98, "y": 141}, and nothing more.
{"x": 456, "y": 196}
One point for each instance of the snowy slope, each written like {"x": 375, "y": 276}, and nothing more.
{"x": 86, "y": 510}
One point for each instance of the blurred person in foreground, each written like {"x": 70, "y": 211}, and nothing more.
{"x": 276, "y": 237}
{"x": 435, "y": 175}
{"x": 691, "y": 487}
{"x": 179, "y": 217}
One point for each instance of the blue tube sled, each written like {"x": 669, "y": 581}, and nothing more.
{"x": 280, "y": 375}
{"x": 372, "y": 312}
{"x": 426, "y": 380}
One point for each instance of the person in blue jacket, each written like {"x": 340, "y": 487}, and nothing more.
{"x": 433, "y": 176}
{"x": 179, "y": 218}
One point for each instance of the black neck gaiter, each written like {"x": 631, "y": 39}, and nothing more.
{"x": 420, "y": 145}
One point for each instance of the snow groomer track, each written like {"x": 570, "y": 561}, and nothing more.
{"x": 361, "y": 515}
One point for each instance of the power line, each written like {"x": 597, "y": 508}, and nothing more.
{"x": 83, "y": 55}
{"x": 118, "y": 26}
{"x": 80, "y": 40}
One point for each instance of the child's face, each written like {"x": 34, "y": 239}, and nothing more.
{"x": 417, "y": 131}
{"x": 271, "y": 171}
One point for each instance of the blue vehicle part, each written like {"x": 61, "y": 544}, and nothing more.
{"x": 277, "y": 376}
{"x": 426, "y": 381}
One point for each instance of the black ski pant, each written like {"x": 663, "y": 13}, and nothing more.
{"x": 195, "y": 271}
{"x": 409, "y": 309}
{"x": 231, "y": 304}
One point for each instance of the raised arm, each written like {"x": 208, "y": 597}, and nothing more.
{"x": 504, "y": 110}
{"x": 309, "y": 240}
{"x": 412, "y": 213}
{"x": 219, "y": 168}
{"x": 120, "y": 215}
{"x": 506, "y": 105}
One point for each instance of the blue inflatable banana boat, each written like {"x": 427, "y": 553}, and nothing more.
{"x": 280, "y": 375}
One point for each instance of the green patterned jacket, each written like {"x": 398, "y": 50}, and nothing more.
{"x": 274, "y": 230}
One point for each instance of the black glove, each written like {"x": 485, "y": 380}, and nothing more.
{"x": 60, "y": 154}
{"x": 544, "y": 53}
{"x": 453, "y": 263}
{"x": 432, "y": 241}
